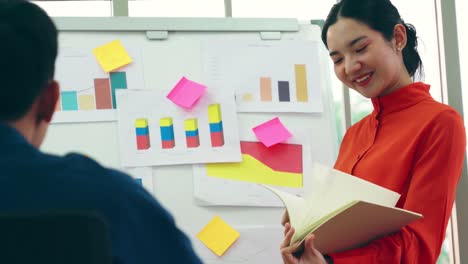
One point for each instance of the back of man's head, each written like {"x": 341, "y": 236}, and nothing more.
{"x": 28, "y": 49}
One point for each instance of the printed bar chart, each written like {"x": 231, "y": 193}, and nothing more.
{"x": 142, "y": 134}
{"x": 103, "y": 98}
{"x": 118, "y": 80}
{"x": 301, "y": 82}
{"x": 265, "y": 89}
{"x": 247, "y": 97}
{"x": 69, "y": 100}
{"x": 103, "y": 93}
{"x": 191, "y": 133}
{"x": 167, "y": 133}
{"x": 283, "y": 91}
{"x": 216, "y": 125}
{"x": 86, "y": 102}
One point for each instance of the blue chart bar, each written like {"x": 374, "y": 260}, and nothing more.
{"x": 283, "y": 91}
{"x": 69, "y": 100}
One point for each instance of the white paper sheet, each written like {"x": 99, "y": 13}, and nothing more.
{"x": 76, "y": 69}
{"x": 154, "y": 105}
{"x": 256, "y": 244}
{"x": 211, "y": 191}
{"x": 239, "y": 66}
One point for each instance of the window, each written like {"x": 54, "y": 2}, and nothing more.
{"x": 76, "y": 8}
{"x": 176, "y": 8}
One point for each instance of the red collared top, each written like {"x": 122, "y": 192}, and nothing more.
{"x": 415, "y": 146}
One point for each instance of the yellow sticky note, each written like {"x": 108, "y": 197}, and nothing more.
{"x": 112, "y": 55}
{"x": 218, "y": 236}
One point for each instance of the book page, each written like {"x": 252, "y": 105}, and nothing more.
{"x": 295, "y": 205}
{"x": 331, "y": 189}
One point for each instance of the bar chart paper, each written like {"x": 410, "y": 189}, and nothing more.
{"x": 204, "y": 134}
{"x": 266, "y": 76}
{"x": 87, "y": 93}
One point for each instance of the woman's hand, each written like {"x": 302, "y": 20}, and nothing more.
{"x": 310, "y": 255}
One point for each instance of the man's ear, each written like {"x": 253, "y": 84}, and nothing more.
{"x": 47, "y": 102}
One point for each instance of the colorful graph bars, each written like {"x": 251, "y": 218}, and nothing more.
{"x": 103, "y": 97}
{"x": 142, "y": 134}
{"x": 301, "y": 83}
{"x": 167, "y": 133}
{"x": 216, "y": 125}
{"x": 191, "y": 133}
{"x": 284, "y": 92}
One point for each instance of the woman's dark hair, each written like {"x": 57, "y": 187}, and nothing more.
{"x": 382, "y": 16}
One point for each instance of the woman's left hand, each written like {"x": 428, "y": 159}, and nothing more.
{"x": 310, "y": 255}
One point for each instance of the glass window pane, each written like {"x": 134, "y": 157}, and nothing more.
{"x": 426, "y": 28}
{"x": 462, "y": 28}
{"x": 301, "y": 9}
{"x": 76, "y": 8}
{"x": 360, "y": 106}
{"x": 176, "y": 8}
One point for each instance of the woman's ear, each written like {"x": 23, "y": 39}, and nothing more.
{"x": 399, "y": 37}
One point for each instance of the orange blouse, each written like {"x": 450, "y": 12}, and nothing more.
{"x": 415, "y": 146}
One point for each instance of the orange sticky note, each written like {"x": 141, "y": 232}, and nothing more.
{"x": 218, "y": 236}
{"x": 112, "y": 56}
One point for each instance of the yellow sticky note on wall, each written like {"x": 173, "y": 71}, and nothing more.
{"x": 112, "y": 55}
{"x": 218, "y": 236}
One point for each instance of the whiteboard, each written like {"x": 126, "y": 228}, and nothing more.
{"x": 165, "y": 60}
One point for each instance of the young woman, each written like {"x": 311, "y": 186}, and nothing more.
{"x": 410, "y": 143}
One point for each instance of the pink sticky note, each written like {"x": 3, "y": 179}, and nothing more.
{"x": 186, "y": 93}
{"x": 271, "y": 132}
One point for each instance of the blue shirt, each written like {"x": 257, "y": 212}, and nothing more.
{"x": 141, "y": 230}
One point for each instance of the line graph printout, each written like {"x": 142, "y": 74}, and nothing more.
{"x": 266, "y": 76}
{"x": 87, "y": 93}
{"x": 155, "y": 131}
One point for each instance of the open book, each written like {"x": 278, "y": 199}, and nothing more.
{"x": 343, "y": 211}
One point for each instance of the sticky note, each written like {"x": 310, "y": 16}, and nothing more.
{"x": 112, "y": 55}
{"x": 186, "y": 92}
{"x": 218, "y": 236}
{"x": 271, "y": 132}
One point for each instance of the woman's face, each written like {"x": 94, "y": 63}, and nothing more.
{"x": 364, "y": 60}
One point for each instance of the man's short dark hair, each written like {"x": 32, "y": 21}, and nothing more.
{"x": 28, "y": 49}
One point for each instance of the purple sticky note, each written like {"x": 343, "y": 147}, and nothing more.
{"x": 271, "y": 132}
{"x": 186, "y": 93}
